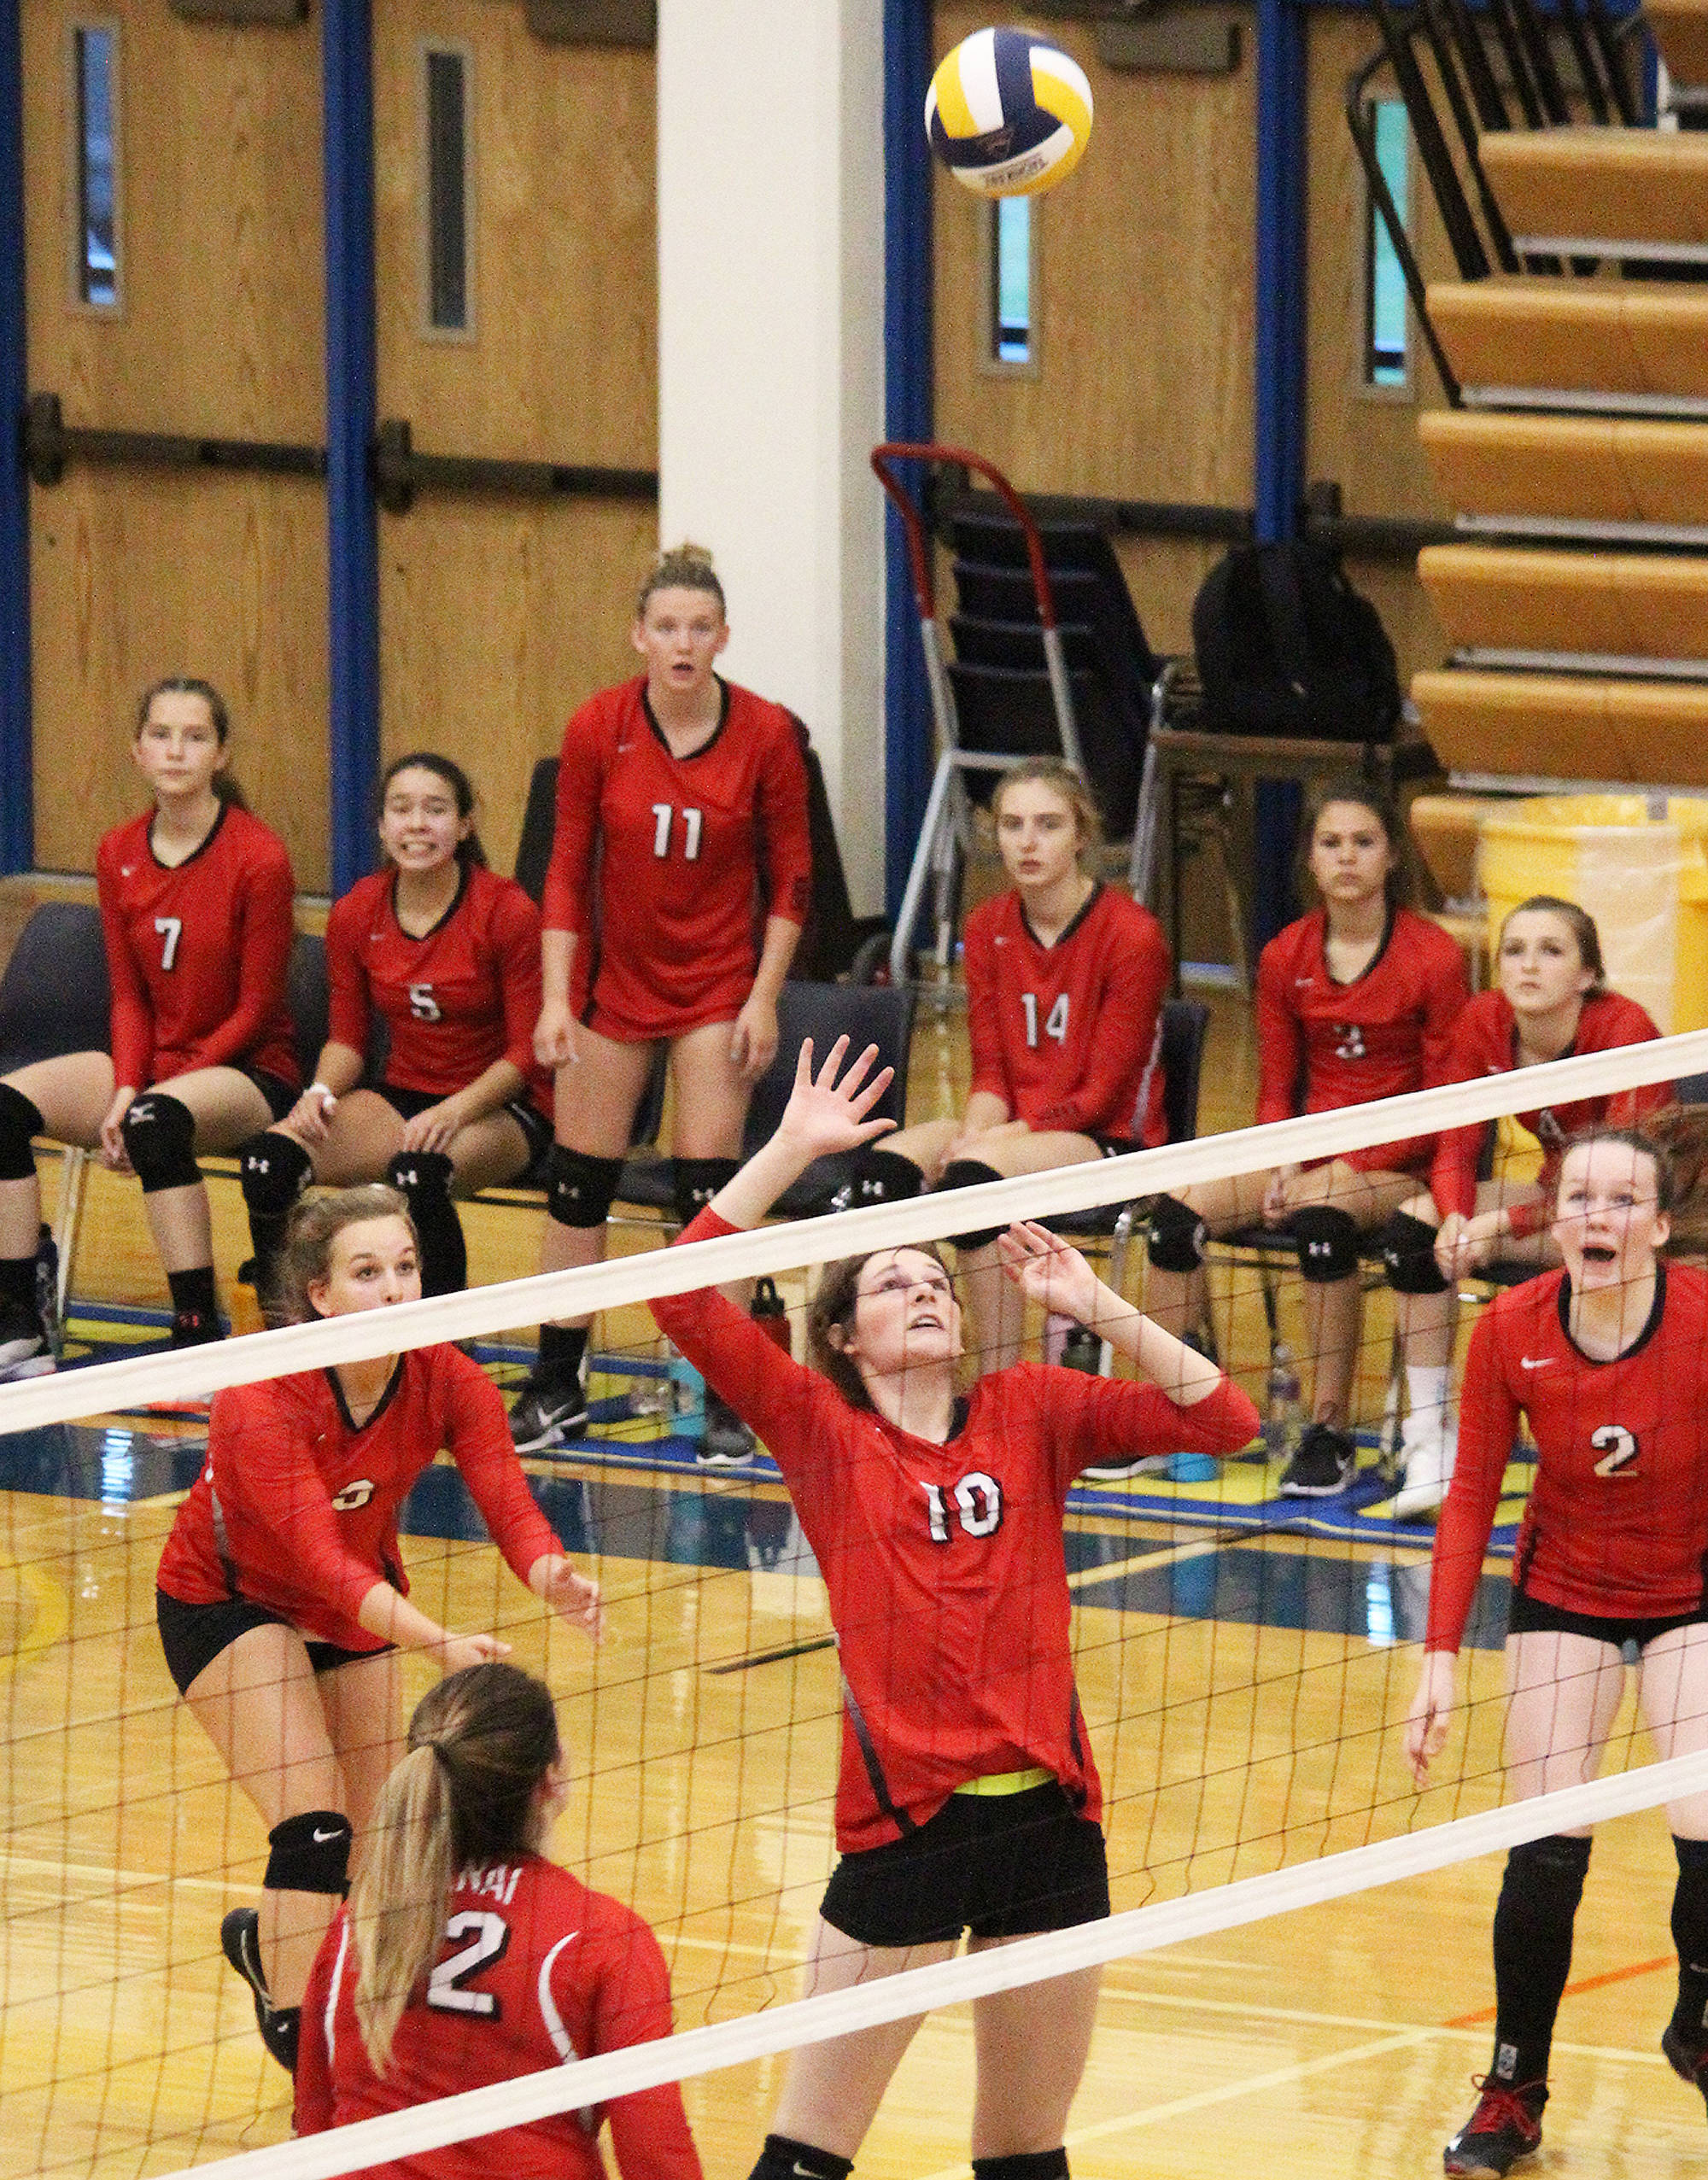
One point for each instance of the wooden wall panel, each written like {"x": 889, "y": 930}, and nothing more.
{"x": 223, "y": 325}
{"x": 496, "y": 620}
{"x": 563, "y": 362}
{"x": 136, "y": 575}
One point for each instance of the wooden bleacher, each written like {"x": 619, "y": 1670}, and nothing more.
{"x": 1610, "y": 604}
{"x": 1680, "y": 31}
{"x": 1590, "y": 185}
{"x": 1570, "y": 471}
{"x": 1566, "y": 727}
{"x": 1629, "y": 340}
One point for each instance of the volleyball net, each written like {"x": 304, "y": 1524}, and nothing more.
{"x": 1245, "y": 1661}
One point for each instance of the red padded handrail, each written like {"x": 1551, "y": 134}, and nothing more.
{"x": 919, "y": 555}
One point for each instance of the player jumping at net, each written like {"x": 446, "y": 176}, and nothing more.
{"x": 1354, "y": 1002}
{"x": 281, "y": 1597}
{"x": 967, "y": 1797}
{"x": 196, "y": 908}
{"x": 465, "y": 1957}
{"x": 1553, "y": 1002}
{"x": 1606, "y": 1359}
{"x": 448, "y": 954}
{"x": 682, "y": 799}
{"x": 1065, "y": 982}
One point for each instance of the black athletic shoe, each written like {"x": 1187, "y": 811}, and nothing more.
{"x": 1687, "y": 2056}
{"x": 240, "y": 1941}
{"x": 1321, "y": 1466}
{"x": 22, "y": 1340}
{"x": 1505, "y": 2127}
{"x": 549, "y": 1412}
{"x": 726, "y": 1442}
{"x": 196, "y": 1329}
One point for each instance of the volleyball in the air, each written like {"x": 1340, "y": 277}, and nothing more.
{"x": 1009, "y": 114}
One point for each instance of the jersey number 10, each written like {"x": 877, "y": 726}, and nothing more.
{"x": 1054, "y": 1022}
{"x": 692, "y": 819}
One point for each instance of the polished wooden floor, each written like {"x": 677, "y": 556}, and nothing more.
{"x": 1237, "y": 1727}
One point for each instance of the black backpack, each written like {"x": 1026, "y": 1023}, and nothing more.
{"x": 1285, "y": 646}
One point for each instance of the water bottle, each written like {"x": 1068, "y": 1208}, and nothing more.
{"x": 1082, "y": 1350}
{"x": 771, "y": 1313}
{"x": 1281, "y": 1407}
{"x": 47, "y": 1292}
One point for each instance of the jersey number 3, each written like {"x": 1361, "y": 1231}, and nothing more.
{"x": 663, "y": 814}
{"x": 488, "y": 1935}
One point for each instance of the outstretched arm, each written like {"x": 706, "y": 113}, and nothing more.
{"x": 823, "y": 1115}
{"x": 1058, "y": 1278}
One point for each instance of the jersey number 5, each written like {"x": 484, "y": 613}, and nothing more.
{"x": 171, "y": 929}
{"x": 978, "y": 1504}
{"x": 1055, "y": 1023}
{"x": 663, "y": 813}
{"x": 422, "y": 1003}
{"x": 488, "y": 1935}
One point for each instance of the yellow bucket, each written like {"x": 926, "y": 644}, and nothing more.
{"x": 1640, "y": 869}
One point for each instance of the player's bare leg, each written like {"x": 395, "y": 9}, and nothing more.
{"x": 833, "y": 2089}
{"x": 67, "y": 1099}
{"x": 362, "y": 1703}
{"x": 990, "y": 1297}
{"x": 1672, "y": 1695}
{"x": 710, "y": 1097}
{"x": 1174, "y": 1291}
{"x": 1032, "y": 2045}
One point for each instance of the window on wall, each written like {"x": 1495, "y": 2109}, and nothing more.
{"x": 95, "y": 247}
{"x": 449, "y": 302}
{"x": 1384, "y": 284}
{"x": 1011, "y": 337}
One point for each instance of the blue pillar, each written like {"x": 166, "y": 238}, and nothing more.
{"x": 908, "y": 359}
{"x": 351, "y": 398}
{"x": 1279, "y": 361}
{"x": 16, "y": 792}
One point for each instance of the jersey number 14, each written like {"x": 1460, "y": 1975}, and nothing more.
{"x": 1054, "y": 1022}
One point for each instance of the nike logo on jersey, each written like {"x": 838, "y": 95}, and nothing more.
{"x": 126, "y": 869}
{"x": 1536, "y": 1362}
{"x": 1303, "y": 983}
{"x": 1000, "y": 940}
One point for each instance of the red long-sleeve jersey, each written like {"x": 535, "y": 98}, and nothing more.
{"x": 296, "y": 1507}
{"x": 198, "y": 954}
{"x": 1484, "y": 1041}
{"x": 1323, "y": 1045}
{"x": 657, "y": 861}
{"x": 465, "y": 995}
{"x": 947, "y": 1583}
{"x": 1617, "y": 1518}
{"x": 535, "y": 1970}
{"x": 1065, "y": 1034}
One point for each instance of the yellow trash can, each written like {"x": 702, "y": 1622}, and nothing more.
{"x": 1638, "y": 864}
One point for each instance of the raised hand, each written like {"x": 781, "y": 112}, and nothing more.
{"x": 1048, "y": 1273}
{"x": 824, "y": 1114}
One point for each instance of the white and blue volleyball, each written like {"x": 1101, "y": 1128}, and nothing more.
{"x": 1009, "y": 114}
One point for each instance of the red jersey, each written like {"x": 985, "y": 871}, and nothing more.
{"x": 947, "y": 1582}
{"x": 197, "y": 956}
{"x": 1485, "y": 1042}
{"x": 296, "y": 1507}
{"x": 1617, "y": 1518}
{"x": 657, "y": 861}
{"x": 465, "y": 995}
{"x": 1067, "y": 1035}
{"x": 1323, "y": 1045}
{"x": 535, "y": 1970}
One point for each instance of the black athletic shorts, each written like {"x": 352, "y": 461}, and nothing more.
{"x": 280, "y": 1095}
{"x": 1529, "y": 1615}
{"x": 193, "y": 1635}
{"x": 536, "y": 1129}
{"x": 999, "y": 1865}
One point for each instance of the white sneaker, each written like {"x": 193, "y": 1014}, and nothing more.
{"x": 1428, "y": 1442}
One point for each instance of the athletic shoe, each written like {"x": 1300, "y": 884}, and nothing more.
{"x": 549, "y": 1412}
{"x": 240, "y": 1940}
{"x": 1321, "y": 1466}
{"x": 1113, "y": 1471}
{"x": 1687, "y": 2056}
{"x": 726, "y": 1441}
{"x": 1505, "y": 2127}
{"x": 21, "y": 1338}
{"x": 196, "y": 1329}
{"x": 1428, "y": 1443}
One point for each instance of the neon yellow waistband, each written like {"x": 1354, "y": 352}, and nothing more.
{"x": 1007, "y": 1782}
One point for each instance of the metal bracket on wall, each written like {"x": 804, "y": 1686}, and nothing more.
{"x": 400, "y": 473}
{"x": 239, "y": 13}
{"x": 49, "y": 443}
{"x": 593, "y": 22}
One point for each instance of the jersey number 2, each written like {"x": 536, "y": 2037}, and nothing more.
{"x": 171, "y": 929}
{"x": 1054, "y": 1022}
{"x": 663, "y": 813}
{"x": 488, "y": 1935}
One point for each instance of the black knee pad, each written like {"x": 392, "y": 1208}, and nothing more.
{"x": 784, "y": 2158}
{"x": 271, "y": 1169}
{"x": 160, "y": 1136}
{"x": 1175, "y": 1235}
{"x": 579, "y": 1190}
{"x": 310, "y": 1853}
{"x": 1408, "y": 1254}
{"x": 21, "y": 1117}
{"x": 883, "y": 1175}
{"x": 423, "y": 1174}
{"x": 695, "y": 1180}
{"x": 1022, "y": 2165}
{"x": 1328, "y": 1244}
{"x": 969, "y": 1173}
